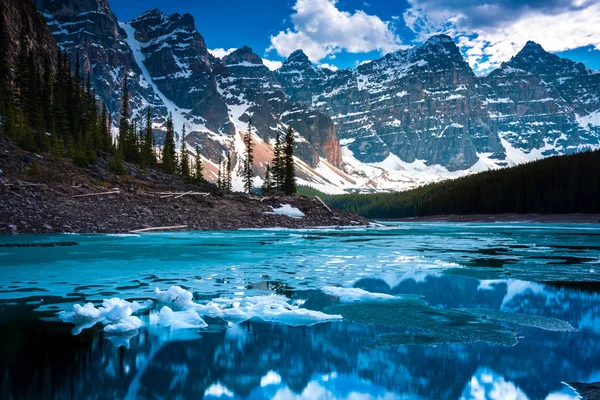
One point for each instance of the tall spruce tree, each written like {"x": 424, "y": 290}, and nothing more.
{"x": 248, "y": 173}
{"x": 168, "y": 152}
{"x": 105, "y": 136}
{"x": 289, "y": 180}
{"x": 267, "y": 186}
{"x": 220, "y": 174}
{"x": 227, "y": 184}
{"x": 124, "y": 126}
{"x": 277, "y": 169}
{"x": 198, "y": 168}
{"x": 148, "y": 158}
{"x": 184, "y": 161}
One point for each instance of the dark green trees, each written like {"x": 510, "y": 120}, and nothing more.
{"x": 184, "y": 162}
{"x": 268, "y": 186}
{"x": 248, "y": 176}
{"x": 289, "y": 177}
{"x": 169, "y": 162}
{"x": 147, "y": 156}
{"x": 282, "y": 170}
{"x": 556, "y": 185}
{"x": 198, "y": 168}
{"x": 277, "y": 166}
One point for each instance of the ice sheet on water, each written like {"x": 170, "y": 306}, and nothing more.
{"x": 176, "y": 297}
{"x": 412, "y": 321}
{"x": 287, "y": 210}
{"x": 548, "y": 324}
{"x": 178, "y": 319}
{"x": 348, "y": 295}
{"x": 115, "y": 314}
{"x": 272, "y": 308}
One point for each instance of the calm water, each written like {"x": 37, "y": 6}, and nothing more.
{"x": 434, "y": 311}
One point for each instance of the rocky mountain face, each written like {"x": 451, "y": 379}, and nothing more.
{"x": 22, "y": 22}
{"x": 89, "y": 31}
{"x": 169, "y": 68}
{"x": 425, "y": 103}
{"x": 412, "y": 117}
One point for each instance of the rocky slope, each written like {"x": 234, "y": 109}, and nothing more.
{"x": 169, "y": 68}
{"x": 57, "y": 197}
{"x": 412, "y": 117}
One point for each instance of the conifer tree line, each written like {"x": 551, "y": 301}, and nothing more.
{"x": 136, "y": 144}
{"x": 554, "y": 185}
{"x": 50, "y": 107}
{"x": 280, "y": 174}
{"x": 54, "y": 108}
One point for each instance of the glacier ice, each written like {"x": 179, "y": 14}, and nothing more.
{"x": 347, "y": 295}
{"x": 115, "y": 314}
{"x": 271, "y": 308}
{"x": 178, "y": 319}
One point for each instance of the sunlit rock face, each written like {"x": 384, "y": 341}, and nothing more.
{"x": 426, "y": 104}
{"x": 89, "y": 31}
{"x": 414, "y": 116}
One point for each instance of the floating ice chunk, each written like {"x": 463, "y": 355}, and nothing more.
{"x": 347, "y": 295}
{"x": 272, "y": 308}
{"x": 84, "y": 317}
{"x": 548, "y": 324}
{"x": 287, "y": 210}
{"x": 87, "y": 311}
{"x": 275, "y": 308}
{"x": 115, "y": 314}
{"x": 176, "y": 296}
{"x": 123, "y": 324}
{"x": 180, "y": 319}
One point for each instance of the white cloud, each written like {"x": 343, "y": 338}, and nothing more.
{"x": 220, "y": 52}
{"x": 328, "y": 66}
{"x": 491, "y": 33}
{"x": 321, "y": 29}
{"x": 272, "y": 65}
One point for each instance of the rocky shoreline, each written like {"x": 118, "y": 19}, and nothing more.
{"x": 56, "y": 197}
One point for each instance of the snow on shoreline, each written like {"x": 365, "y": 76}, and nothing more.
{"x": 287, "y": 210}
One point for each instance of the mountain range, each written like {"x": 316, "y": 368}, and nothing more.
{"x": 411, "y": 117}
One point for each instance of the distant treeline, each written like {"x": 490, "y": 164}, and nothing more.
{"x": 555, "y": 185}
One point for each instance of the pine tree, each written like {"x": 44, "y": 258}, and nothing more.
{"x": 168, "y": 152}
{"x": 147, "y": 153}
{"x": 220, "y": 175}
{"x": 184, "y": 162}
{"x": 277, "y": 169}
{"x": 267, "y": 186}
{"x": 198, "y": 168}
{"x": 228, "y": 182}
{"x": 124, "y": 126}
{"x": 248, "y": 176}
{"x": 289, "y": 181}
{"x": 105, "y": 137}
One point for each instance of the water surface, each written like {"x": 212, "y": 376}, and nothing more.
{"x": 472, "y": 311}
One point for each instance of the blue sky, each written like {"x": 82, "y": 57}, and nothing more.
{"x": 344, "y": 33}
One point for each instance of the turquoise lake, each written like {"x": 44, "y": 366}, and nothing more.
{"x": 399, "y": 311}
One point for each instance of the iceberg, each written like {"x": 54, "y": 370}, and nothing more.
{"x": 348, "y": 295}
{"x": 115, "y": 314}
{"x": 178, "y": 319}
